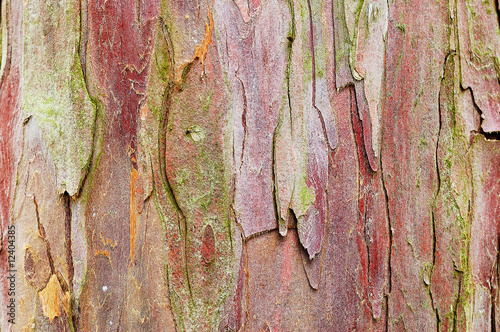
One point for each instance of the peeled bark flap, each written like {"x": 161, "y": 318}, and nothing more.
{"x": 54, "y": 90}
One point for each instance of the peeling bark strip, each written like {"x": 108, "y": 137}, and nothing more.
{"x": 295, "y": 165}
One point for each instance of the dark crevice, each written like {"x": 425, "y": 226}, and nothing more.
{"x": 457, "y": 301}
{"x": 433, "y": 306}
{"x": 389, "y": 263}
{"x": 84, "y": 19}
{"x": 82, "y": 58}
{"x": 89, "y": 167}
{"x": 289, "y": 51}
{"x": 41, "y": 232}
{"x": 438, "y": 189}
{"x": 73, "y": 319}
{"x": 434, "y": 242}
{"x": 170, "y": 47}
{"x": 292, "y": 222}
{"x": 182, "y": 224}
{"x": 162, "y": 147}
{"x": 438, "y": 176}
{"x": 243, "y": 120}
{"x": 273, "y": 175}
{"x": 440, "y": 123}
{"x": 360, "y": 158}
{"x": 497, "y": 9}
{"x": 325, "y": 132}
{"x": 494, "y": 136}
{"x": 138, "y": 11}
{"x": 69, "y": 254}
{"x": 389, "y": 221}
{"x": 257, "y": 234}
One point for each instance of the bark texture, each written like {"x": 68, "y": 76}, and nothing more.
{"x": 250, "y": 165}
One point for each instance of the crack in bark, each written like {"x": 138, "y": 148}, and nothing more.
{"x": 162, "y": 149}
{"x": 69, "y": 251}
{"x": 289, "y": 51}
{"x": 243, "y": 119}
{"x": 360, "y": 149}
{"x": 389, "y": 221}
{"x": 62, "y": 282}
{"x": 273, "y": 176}
{"x": 82, "y": 58}
{"x": 432, "y": 270}
{"x": 457, "y": 301}
{"x": 82, "y": 43}
{"x": 497, "y": 10}
{"x": 438, "y": 190}
{"x": 170, "y": 47}
{"x": 181, "y": 219}
{"x": 389, "y": 261}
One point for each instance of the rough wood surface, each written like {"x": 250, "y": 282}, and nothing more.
{"x": 250, "y": 165}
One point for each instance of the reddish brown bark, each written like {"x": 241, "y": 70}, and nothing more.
{"x": 319, "y": 165}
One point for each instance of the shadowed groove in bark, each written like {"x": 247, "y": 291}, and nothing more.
{"x": 289, "y": 50}
{"x": 355, "y": 115}
{"x": 273, "y": 174}
{"x": 497, "y": 10}
{"x": 243, "y": 120}
{"x": 162, "y": 147}
{"x": 457, "y": 301}
{"x": 168, "y": 183}
{"x": 433, "y": 220}
{"x": 69, "y": 250}
{"x": 84, "y": 18}
{"x": 438, "y": 189}
{"x": 386, "y": 196}
{"x": 181, "y": 219}
{"x": 62, "y": 282}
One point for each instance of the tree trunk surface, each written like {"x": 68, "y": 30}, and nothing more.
{"x": 250, "y": 165}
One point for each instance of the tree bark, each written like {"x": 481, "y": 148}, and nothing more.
{"x": 277, "y": 165}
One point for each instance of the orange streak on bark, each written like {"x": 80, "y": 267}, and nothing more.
{"x": 133, "y": 224}
{"x": 201, "y": 51}
{"x": 144, "y": 111}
